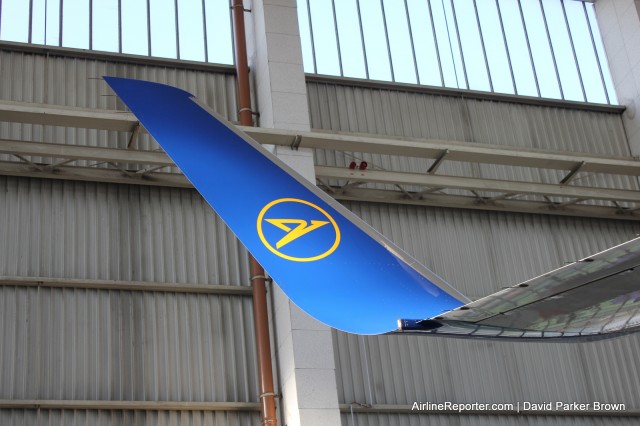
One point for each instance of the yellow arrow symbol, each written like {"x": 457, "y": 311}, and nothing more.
{"x": 293, "y": 234}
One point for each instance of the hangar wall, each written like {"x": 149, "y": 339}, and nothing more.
{"x": 117, "y": 345}
{"x": 145, "y": 346}
{"x": 478, "y": 252}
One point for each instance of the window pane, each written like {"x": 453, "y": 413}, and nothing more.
{"x": 163, "y": 29}
{"x": 134, "y": 27}
{"x": 542, "y": 58}
{"x": 401, "y": 53}
{"x": 14, "y": 20}
{"x": 75, "y": 24}
{"x": 562, "y": 49}
{"x": 350, "y": 40}
{"x": 37, "y": 23}
{"x": 305, "y": 36}
{"x": 611, "y": 91}
{"x": 375, "y": 42}
{"x": 584, "y": 51}
{"x": 324, "y": 37}
{"x": 53, "y": 23}
{"x": 219, "y": 34}
{"x": 190, "y": 26}
{"x": 105, "y": 25}
{"x": 426, "y": 55}
{"x": 517, "y": 42}
{"x": 448, "y": 44}
{"x": 496, "y": 50}
{"x": 472, "y": 45}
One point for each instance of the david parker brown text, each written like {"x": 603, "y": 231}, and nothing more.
{"x": 518, "y": 406}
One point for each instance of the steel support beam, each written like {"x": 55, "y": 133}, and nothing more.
{"x": 79, "y": 152}
{"x": 23, "y": 112}
{"x": 229, "y": 290}
{"x": 478, "y": 184}
{"x": 38, "y": 404}
{"x": 505, "y": 205}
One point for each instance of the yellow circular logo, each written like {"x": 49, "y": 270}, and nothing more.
{"x": 297, "y": 230}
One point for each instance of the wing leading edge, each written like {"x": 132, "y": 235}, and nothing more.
{"x": 344, "y": 273}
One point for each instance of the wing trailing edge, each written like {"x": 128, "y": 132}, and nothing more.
{"x": 595, "y": 298}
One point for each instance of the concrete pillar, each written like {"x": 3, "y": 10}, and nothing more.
{"x": 619, "y": 22}
{"x": 304, "y": 347}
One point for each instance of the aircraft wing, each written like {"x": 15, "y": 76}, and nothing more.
{"x": 594, "y": 298}
{"x": 341, "y": 271}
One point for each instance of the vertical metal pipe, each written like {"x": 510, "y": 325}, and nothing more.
{"x": 204, "y": 32}
{"x": 149, "y": 27}
{"x": 177, "y": 26}
{"x": 260, "y": 315}
{"x": 90, "y": 24}
{"x": 313, "y": 44}
{"x": 455, "y": 23}
{"x": 553, "y": 54}
{"x": 526, "y": 37}
{"x": 119, "y": 26}
{"x": 506, "y": 48}
{"x": 386, "y": 36}
{"x": 413, "y": 47}
{"x": 364, "y": 49}
{"x": 595, "y": 51}
{"x": 60, "y": 23}
{"x": 435, "y": 42}
{"x": 484, "y": 48}
{"x": 30, "y": 36}
{"x": 573, "y": 49}
{"x": 335, "y": 26}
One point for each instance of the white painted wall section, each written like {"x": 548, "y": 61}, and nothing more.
{"x": 304, "y": 347}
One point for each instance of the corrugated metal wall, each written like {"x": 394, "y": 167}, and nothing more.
{"x": 479, "y": 253}
{"x": 476, "y": 420}
{"x": 88, "y": 344}
{"x": 123, "y": 418}
{"x": 340, "y": 107}
{"x": 77, "y": 81}
{"x": 87, "y": 230}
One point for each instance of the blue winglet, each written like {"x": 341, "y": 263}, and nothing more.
{"x": 330, "y": 263}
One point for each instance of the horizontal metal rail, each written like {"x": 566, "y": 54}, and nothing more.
{"x": 46, "y": 404}
{"x": 24, "y": 112}
{"x": 230, "y": 290}
{"x": 65, "y": 116}
{"x": 477, "y": 184}
{"x": 115, "y": 166}
{"x": 473, "y": 203}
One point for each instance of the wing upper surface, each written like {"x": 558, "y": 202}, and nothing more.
{"x": 330, "y": 263}
{"x": 596, "y": 297}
